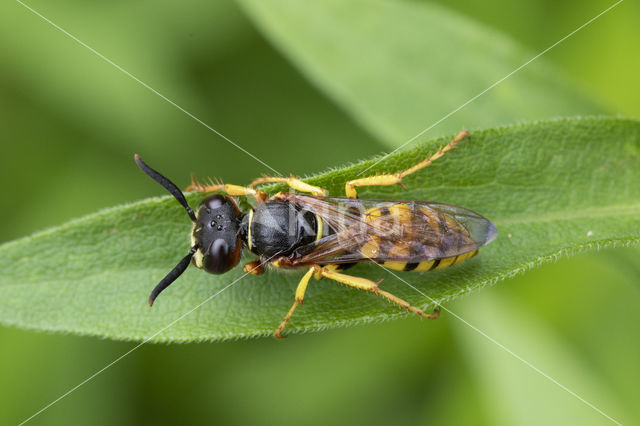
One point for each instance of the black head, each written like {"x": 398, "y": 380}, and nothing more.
{"x": 213, "y": 249}
{"x": 216, "y": 233}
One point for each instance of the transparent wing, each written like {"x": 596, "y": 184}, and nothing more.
{"x": 390, "y": 230}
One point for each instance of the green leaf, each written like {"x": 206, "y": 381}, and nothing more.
{"x": 569, "y": 319}
{"x": 502, "y": 377}
{"x": 399, "y": 67}
{"x": 552, "y": 188}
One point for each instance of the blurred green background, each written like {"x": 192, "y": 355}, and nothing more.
{"x": 70, "y": 124}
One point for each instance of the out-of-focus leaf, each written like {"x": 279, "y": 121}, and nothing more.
{"x": 400, "y": 66}
{"x": 552, "y": 188}
{"x": 514, "y": 393}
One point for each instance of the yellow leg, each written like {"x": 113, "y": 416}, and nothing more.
{"x": 293, "y": 182}
{"x": 302, "y": 287}
{"x": 233, "y": 190}
{"x": 368, "y": 285}
{"x": 395, "y": 178}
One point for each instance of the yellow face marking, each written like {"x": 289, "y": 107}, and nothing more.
{"x": 249, "y": 230}
{"x": 197, "y": 259}
{"x": 197, "y": 256}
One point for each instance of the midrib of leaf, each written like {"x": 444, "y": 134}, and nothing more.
{"x": 600, "y": 212}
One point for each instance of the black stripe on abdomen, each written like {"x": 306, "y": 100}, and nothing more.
{"x": 410, "y": 266}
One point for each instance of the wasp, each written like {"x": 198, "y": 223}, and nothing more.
{"x": 307, "y": 229}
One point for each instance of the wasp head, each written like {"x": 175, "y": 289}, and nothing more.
{"x": 217, "y": 242}
{"x": 216, "y": 233}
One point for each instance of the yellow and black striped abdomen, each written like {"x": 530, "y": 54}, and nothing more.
{"x": 429, "y": 264}
{"x": 413, "y": 237}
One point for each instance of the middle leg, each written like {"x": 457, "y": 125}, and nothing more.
{"x": 302, "y": 288}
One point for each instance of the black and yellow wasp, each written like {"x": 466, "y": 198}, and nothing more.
{"x": 326, "y": 234}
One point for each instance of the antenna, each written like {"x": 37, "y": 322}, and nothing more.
{"x": 168, "y": 185}
{"x": 172, "y": 275}
{"x": 177, "y": 194}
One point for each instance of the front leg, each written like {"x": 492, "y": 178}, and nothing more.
{"x": 233, "y": 190}
{"x": 293, "y": 183}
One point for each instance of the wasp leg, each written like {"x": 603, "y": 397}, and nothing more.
{"x": 293, "y": 183}
{"x": 302, "y": 287}
{"x": 233, "y": 190}
{"x": 254, "y": 268}
{"x": 368, "y": 285}
{"x": 396, "y": 178}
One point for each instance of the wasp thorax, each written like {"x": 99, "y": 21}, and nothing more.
{"x": 216, "y": 234}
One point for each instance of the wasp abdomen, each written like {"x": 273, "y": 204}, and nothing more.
{"x": 423, "y": 235}
{"x": 430, "y": 264}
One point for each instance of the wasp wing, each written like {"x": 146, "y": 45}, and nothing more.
{"x": 390, "y": 230}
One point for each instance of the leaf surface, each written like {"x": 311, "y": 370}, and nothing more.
{"x": 552, "y": 188}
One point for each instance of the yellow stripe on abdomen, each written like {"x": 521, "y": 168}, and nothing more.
{"x": 396, "y": 266}
{"x": 465, "y": 256}
{"x": 424, "y": 266}
{"x": 428, "y": 265}
{"x": 419, "y": 233}
{"x": 446, "y": 262}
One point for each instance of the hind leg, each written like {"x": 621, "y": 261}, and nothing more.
{"x": 396, "y": 178}
{"x": 368, "y": 285}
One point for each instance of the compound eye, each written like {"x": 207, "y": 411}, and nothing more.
{"x": 218, "y": 259}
